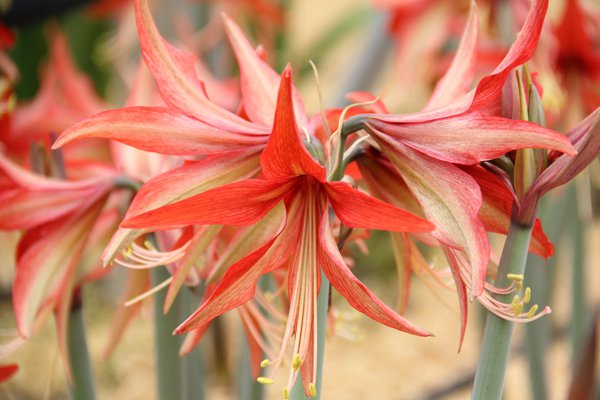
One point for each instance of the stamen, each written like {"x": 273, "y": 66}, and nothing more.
{"x": 286, "y": 393}
{"x": 264, "y": 381}
{"x": 150, "y": 292}
{"x": 265, "y": 363}
{"x": 518, "y": 309}
{"x": 532, "y": 311}
{"x": 313, "y": 389}
{"x": 527, "y": 295}
{"x": 296, "y": 362}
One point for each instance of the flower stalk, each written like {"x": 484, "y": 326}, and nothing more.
{"x": 493, "y": 359}
{"x": 82, "y": 386}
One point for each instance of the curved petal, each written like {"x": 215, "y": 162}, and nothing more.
{"x": 176, "y": 76}
{"x": 358, "y": 210}
{"x": 473, "y": 137}
{"x": 285, "y": 154}
{"x": 457, "y": 80}
{"x": 239, "y": 282}
{"x": 239, "y": 203}
{"x": 259, "y": 81}
{"x": 355, "y": 292}
{"x": 451, "y": 199}
{"x": 179, "y": 184}
{"x": 160, "y": 130}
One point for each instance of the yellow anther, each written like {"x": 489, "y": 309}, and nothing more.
{"x": 265, "y": 363}
{"x": 515, "y": 277}
{"x": 532, "y": 311}
{"x": 264, "y": 381}
{"x": 286, "y": 393}
{"x": 527, "y": 295}
{"x": 519, "y": 286}
{"x": 518, "y": 309}
{"x": 296, "y": 362}
{"x": 313, "y": 390}
{"x": 515, "y": 301}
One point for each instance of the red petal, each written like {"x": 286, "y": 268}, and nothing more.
{"x": 160, "y": 130}
{"x": 285, "y": 155}
{"x": 461, "y": 291}
{"x": 355, "y": 292}
{"x": 7, "y": 371}
{"x": 182, "y": 183}
{"x": 259, "y": 81}
{"x": 240, "y": 203}
{"x": 358, "y": 210}
{"x": 239, "y": 282}
{"x": 176, "y": 76}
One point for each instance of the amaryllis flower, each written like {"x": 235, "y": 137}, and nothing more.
{"x": 424, "y": 148}
{"x": 58, "y": 218}
{"x": 304, "y": 242}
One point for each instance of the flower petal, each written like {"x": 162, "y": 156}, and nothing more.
{"x": 451, "y": 199}
{"x": 175, "y": 73}
{"x": 358, "y": 210}
{"x": 259, "y": 81}
{"x": 355, "y": 292}
{"x": 473, "y": 137}
{"x": 239, "y": 203}
{"x": 239, "y": 282}
{"x": 160, "y": 130}
{"x": 179, "y": 184}
{"x": 285, "y": 155}
{"x": 457, "y": 80}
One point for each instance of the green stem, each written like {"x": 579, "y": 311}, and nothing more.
{"x": 489, "y": 378}
{"x": 579, "y": 314}
{"x": 168, "y": 365}
{"x": 248, "y": 388}
{"x": 82, "y": 387}
{"x": 192, "y": 368}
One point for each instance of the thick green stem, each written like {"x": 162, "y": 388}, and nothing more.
{"x": 82, "y": 386}
{"x": 493, "y": 359}
{"x": 168, "y": 364}
{"x": 579, "y": 313}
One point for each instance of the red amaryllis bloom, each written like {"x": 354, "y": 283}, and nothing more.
{"x": 59, "y": 220}
{"x": 304, "y": 243}
{"x": 424, "y": 148}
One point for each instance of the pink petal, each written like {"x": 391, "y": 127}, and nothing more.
{"x": 285, "y": 155}
{"x": 457, "y": 80}
{"x": 160, "y": 130}
{"x": 358, "y": 210}
{"x": 175, "y": 73}
{"x": 355, "y": 292}
{"x": 260, "y": 82}
{"x": 472, "y": 137}
{"x": 461, "y": 291}
{"x": 451, "y": 199}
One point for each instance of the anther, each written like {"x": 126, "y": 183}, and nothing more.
{"x": 265, "y": 363}
{"x": 264, "y": 381}
{"x": 286, "y": 393}
{"x": 527, "y": 295}
{"x": 515, "y": 277}
{"x": 313, "y": 390}
{"x": 532, "y": 311}
{"x": 296, "y": 362}
{"x": 518, "y": 309}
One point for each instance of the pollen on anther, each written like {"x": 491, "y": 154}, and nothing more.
{"x": 532, "y": 311}
{"x": 313, "y": 390}
{"x": 286, "y": 393}
{"x": 265, "y": 363}
{"x": 296, "y": 362}
{"x": 527, "y": 295}
{"x": 518, "y": 309}
{"x": 263, "y": 380}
